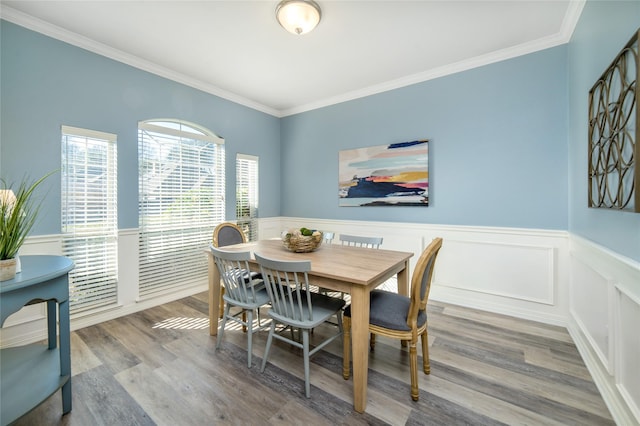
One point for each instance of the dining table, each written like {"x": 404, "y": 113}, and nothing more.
{"x": 353, "y": 270}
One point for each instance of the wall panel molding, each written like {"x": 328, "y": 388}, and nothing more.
{"x": 627, "y": 348}
{"x": 526, "y": 272}
{"x": 590, "y": 298}
{"x": 603, "y": 322}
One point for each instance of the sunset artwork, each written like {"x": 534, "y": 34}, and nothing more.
{"x": 385, "y": 175}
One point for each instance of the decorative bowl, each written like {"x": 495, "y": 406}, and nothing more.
{"x": 294, "y": 241}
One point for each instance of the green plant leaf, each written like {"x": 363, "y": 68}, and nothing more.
{"x": 17, "y": 218}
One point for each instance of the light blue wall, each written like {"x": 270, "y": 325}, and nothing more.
{"x": 46, "y": 83}
{"x": 498, "y": 150}
{"x": 508, "y": 140}
{"x": 604, "y": 29}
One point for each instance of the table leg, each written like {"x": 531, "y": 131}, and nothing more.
{"x": 65, "y": 355}
{"x": 403, "y": 288}
{"x": 403, "y": 279}
{"x": 52, "y": 319}
{"x": 359, "y": 345}
{"x": 214, "y": 295}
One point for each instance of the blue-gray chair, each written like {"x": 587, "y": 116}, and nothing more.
{"x": 242, "y": 291}
{"x": 226, "y": 234}
{"x": 327, "y": 237}
{"x": 400, "y": 317}
{"x": 357, "y": 241}
{"x": 295, "y": 306}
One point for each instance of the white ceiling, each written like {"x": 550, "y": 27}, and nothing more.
{"x": 237, "y": 50}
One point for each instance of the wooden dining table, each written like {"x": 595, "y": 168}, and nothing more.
{"x": 352, "y": 270}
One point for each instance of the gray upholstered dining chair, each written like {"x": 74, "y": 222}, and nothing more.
{"x": 400, "y": 317}
{"x": 227, "y": 233}
{"x": 295, "y": 306}
{"x": 358, "y": 241}
{"x": 242, "y": 291}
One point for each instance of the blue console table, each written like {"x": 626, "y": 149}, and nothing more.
{"x": 30, "y": 374}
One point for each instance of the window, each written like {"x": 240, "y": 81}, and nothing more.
{"x": 89, "y": 216}
{"x": 181, "y": 200}
{"x": 247, "y": 195}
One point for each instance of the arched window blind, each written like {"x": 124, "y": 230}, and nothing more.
{"x": 247, "y": 195}
{"x": 181, "y": 199}
{"x": 90, "y": 216}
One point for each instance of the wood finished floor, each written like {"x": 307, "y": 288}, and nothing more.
{"x": 160, "y": 367}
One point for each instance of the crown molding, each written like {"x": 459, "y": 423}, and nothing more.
{"x": 43, "y": 27}
{"x": 561, "y": 37}
{"x": 571, "y": 19}
{"x": 569, "y": 23}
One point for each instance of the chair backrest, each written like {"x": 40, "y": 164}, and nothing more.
{"x": 327, "y": 237}
{"x": 357, "y": 241}
{"x": 287, "y": 283}
{"x": 228, "y": 233}
{"x": 233, "y": 267}
{"x": 421, "y": 280}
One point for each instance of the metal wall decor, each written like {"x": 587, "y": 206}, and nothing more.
{"x": 614, "y": 149}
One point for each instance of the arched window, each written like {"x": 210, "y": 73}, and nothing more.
{"x": 181, "y": 198}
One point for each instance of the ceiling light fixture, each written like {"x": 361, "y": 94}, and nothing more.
{"x": 298, "y": 16}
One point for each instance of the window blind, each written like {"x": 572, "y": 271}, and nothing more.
{"x": 90, "y": 216}
{"x": 181, "y": 199}
{"x": 247, "y": 194}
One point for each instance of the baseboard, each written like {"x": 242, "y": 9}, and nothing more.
{"x": 618, "y": 407}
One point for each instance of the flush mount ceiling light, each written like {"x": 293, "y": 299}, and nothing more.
{"x": 298, "y": 16}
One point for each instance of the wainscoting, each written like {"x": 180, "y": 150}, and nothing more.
{"x": 546, "y": 276}
{"x": 517, "y": 272}
{"x": 604, "y": 315}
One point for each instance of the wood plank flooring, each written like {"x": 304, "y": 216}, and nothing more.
{"x": 160, "y": 367}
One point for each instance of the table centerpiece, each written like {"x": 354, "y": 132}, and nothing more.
{"x": 302, "y": 240}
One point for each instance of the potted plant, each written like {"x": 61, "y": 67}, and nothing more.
{"x": 18, "y": 212}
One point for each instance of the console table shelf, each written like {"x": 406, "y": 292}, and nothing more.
{"x": 30, "y": 374}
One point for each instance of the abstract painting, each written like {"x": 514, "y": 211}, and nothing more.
{"x": 385, "y": 175}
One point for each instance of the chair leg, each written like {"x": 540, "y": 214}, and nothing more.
{"x": 268, "y": 347}
{"x": 372, "y": 341}
{"x": 346, "y": 347}
{"x": 305, "y": 356}
{"x": 249, "y": 335}
{"x": 221, "y": 309}
{"x": 413, "y": 361}
{"x": 426, "y": 365}
{"x": 225, "y": 314}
